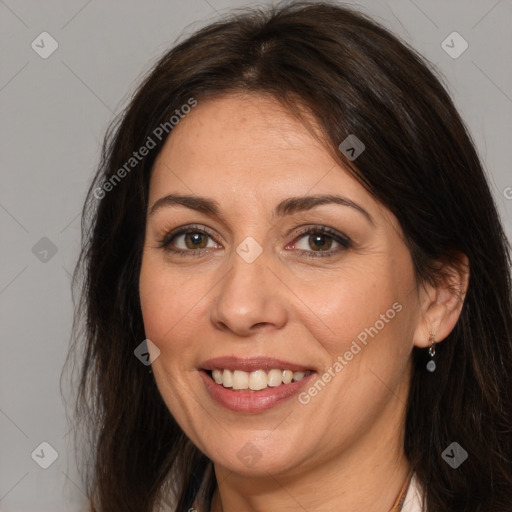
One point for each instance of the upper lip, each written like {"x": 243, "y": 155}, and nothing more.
{"x": 251, "y": 364}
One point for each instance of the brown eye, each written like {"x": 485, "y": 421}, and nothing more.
{"x": 189, "y": 240}
{"x": 195, "y": 240}
{"x": 320, "y": 242}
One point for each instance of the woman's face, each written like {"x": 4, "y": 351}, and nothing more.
{"x": 287, "y": 265}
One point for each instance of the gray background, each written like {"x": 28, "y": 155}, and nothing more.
{"x": 53, "y": 114}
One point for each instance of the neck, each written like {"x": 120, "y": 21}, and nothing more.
{"x": 366, "y": 477}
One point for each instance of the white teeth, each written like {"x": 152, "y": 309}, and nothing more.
{"x": 298, "y": 376}
{"x": 256, "y": 380}
{"x": 240, "y": 380}
{"x": 274, "y": 378}
{"x": 227, "y": 379}
{"x": 287, "y": 376}
{"x": 217, "y": 376}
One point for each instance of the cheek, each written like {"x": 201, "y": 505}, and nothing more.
{"x": 167, "y": 302}
{"x": 367, "y": 316}
{"x": 338, "y": 313}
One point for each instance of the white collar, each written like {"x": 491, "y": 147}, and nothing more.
{"x": 414, "y": 497}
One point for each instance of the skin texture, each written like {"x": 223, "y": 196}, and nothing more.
{"x": 344, "y": 449}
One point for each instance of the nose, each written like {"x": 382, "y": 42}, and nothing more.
{"x": 250, "y": 299}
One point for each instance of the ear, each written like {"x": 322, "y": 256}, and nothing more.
{"x": 441, "y": 303}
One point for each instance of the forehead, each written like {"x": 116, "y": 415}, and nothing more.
{"x": 248, "y": 149}
{"x": 232, "y": 131}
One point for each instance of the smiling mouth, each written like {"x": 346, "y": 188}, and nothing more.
{"x": 258, "y": 380}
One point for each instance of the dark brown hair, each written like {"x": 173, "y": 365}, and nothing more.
{"x": 420, "y": 162}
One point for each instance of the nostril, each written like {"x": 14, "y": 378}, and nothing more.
{"x": 260, "y": 323}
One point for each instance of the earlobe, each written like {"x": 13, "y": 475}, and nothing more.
{"x": 441, "y": 303}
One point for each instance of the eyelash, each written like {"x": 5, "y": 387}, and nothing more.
{"x": 169, "y": 237}
{"x": 340, "y": 238}
{"x": 343, "y": 240}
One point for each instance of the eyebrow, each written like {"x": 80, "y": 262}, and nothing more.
{"x": 285, "y": 207}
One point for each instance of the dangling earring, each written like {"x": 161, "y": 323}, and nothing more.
{"x": 431, "y": 365}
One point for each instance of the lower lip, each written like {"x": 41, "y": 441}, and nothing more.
{"x": 252, "y": 401}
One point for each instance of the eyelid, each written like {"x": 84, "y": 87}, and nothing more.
{"x": 343, "y": 240}
{"x": 319, "y": 228}
{"x": 168, "y": 236}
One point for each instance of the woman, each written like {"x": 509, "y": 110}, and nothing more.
{"x": 296, "y": 285}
